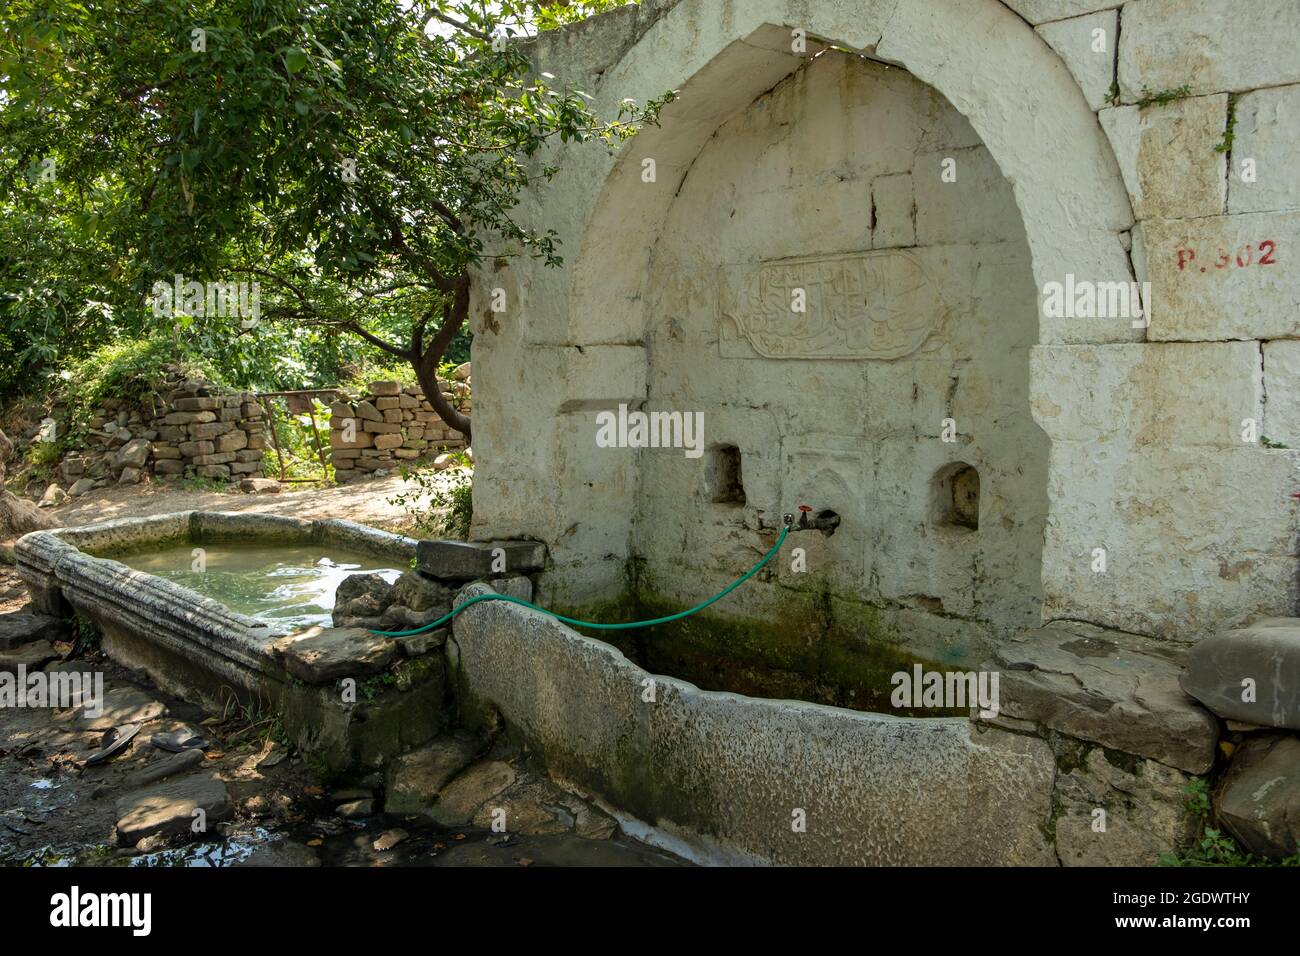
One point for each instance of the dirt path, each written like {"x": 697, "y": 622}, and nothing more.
{"x": 363, "y": 501}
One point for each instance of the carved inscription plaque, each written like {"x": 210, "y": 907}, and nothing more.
{"x": 865, "y": 305}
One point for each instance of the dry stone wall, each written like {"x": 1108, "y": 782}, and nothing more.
{"x": 185, "y": 427}
{"x": 391, "y": 424}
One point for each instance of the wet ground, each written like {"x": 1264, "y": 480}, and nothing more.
{"x": 58, "y": 812}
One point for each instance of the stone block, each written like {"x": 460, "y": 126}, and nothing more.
{"x": 1266, "y": 132}
{"x": 1180, "y": 394}
{"x": 1208, "y": 46}
{"x": 1089, "y": 56}
{"x": 467, "y": 560}
{"x": 1223, "y": 277}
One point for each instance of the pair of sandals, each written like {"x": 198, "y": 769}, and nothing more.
{"x": 116, "y": 738}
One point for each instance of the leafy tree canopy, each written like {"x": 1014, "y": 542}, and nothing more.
{"x": 356, "y": 158}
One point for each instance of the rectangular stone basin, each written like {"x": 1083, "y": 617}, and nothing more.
{"x": 202, "y": 650}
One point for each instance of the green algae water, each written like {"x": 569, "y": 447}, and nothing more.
{"x": 288, "y": 586}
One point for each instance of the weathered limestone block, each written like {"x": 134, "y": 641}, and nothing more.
{"x": 978, "y": 207}
{"x": 367, "y": 411}
{"x": 1145, "y": 806}
{"x": 388, "y": 441}
{"x": 360, "y": 440}
{"x": 1090, "y": 56}
{"x": 189, "y": 418}
{"x": 191, "y": 449}
{"x": 196, "y": 404}
{"x": 1282, "y": 386}
{"x": 895, "y": 206}
{"x": 212, "y": 471}
{"x": 1260, "y": 662}
{"x": 1142, "y": 506}
{"x": 1266, "y": 132}
{"x": 1039, "y": 11}
{"x": 387, "y": 402}
{"x": 169, "y": 466}
{"x": 1208, "y": 46}
{"x": 207, "y": 430}
{"x": 232, "y": 441}
{"x": 161, "y": 451}
{"x": 1180, "y": 394}
{"x": 467, "y": 560}
{"x": 1167, "y": 155}
{"x": 1223, "y": 277}
{"x": 1076, "y": 679}
{"x": 1259, "y": 802}
{"x": 385, "y": 388}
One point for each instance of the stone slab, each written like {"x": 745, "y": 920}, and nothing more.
{"x": 169, "y": 809}
{"x": 1079, "y": 681}
{"x": 467, "y": 560}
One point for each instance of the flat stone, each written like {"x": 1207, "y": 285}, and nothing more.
{"x": 1266, "y": 654}
{"x": 259, "y": 486}
{"x": 160, "y": 769}
{"x": 80, "y": 487}
{"x": 1259, "y": 802}
{"x": 1075, "y": 680}
{"x": 321, "y": 655}
{"x": 461, "y": 799}
{"x": 467, "y": 560}
{"x": 168, "y": 809}
{"x": 122, "y": 705}
{"x": 415, "y": 778}
{"x": 25, "y": 627}
{"x": 31, "y": 657}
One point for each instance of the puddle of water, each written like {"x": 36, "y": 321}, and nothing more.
{"x": 288, "y": 586}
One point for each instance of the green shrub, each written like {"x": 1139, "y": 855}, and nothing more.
{"x": 441, "y": 503}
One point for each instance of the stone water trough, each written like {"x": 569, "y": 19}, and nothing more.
{"x": 1087, "y": 718}
{"x": 346, "y": 697}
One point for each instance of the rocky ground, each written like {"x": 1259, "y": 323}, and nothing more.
{"x": 262, "y": 804}
{"x": 458, "y": 801}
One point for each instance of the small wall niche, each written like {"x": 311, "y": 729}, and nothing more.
{"x": 955, "y": 493}
{"x": 726, "y": 485}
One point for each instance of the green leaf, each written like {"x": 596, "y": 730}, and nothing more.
{"x": 295, "y": 59}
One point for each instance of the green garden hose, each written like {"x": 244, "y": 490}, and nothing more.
{"x": 601, "y": 627}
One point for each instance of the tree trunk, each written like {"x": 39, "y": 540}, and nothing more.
{"x": 426, "y": 365}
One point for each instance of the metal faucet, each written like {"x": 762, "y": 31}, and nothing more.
{"x": 826, "y": 521}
